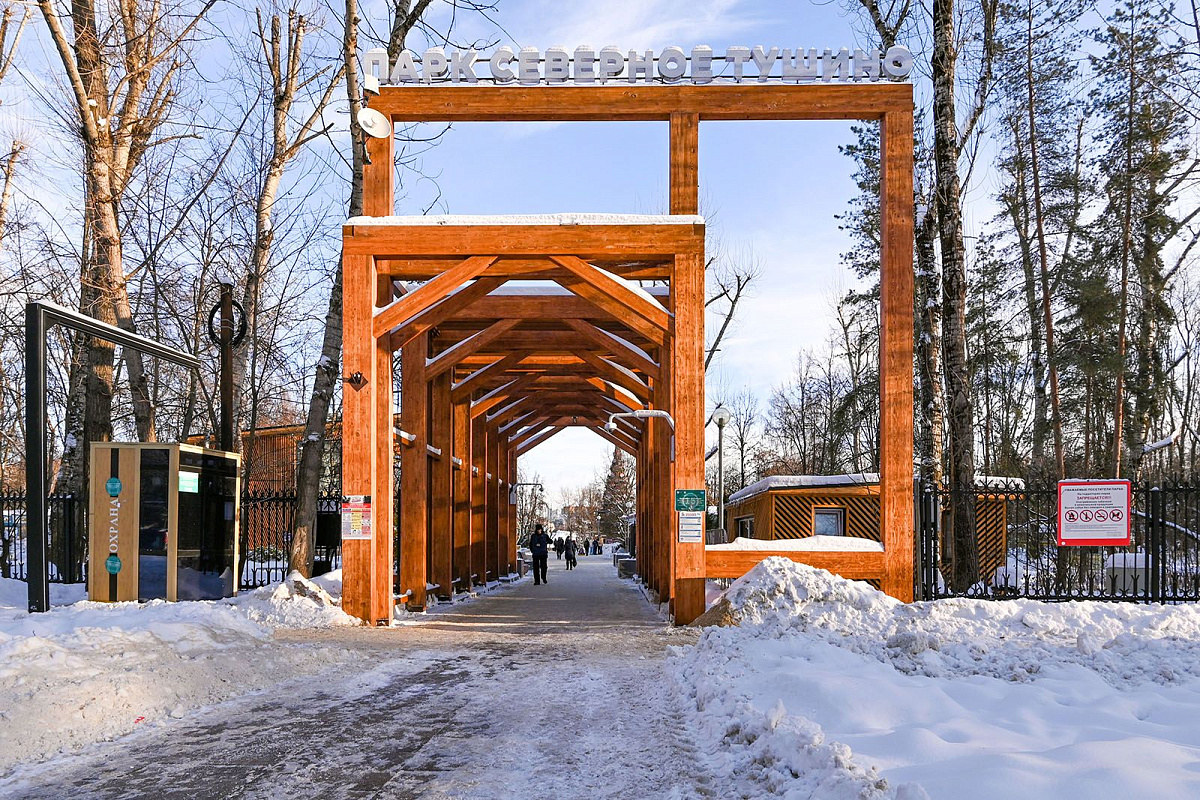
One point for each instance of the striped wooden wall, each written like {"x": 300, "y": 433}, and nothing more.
{"x": 794, "y": 514}
{"x": 990, "y": 527}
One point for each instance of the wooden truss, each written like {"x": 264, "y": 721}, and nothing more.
{"x": 520, "y": 329}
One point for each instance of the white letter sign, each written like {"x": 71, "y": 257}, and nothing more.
{"x": 1094, "y": 513}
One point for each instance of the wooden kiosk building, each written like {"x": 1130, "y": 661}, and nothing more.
{"x": 525, "y": 326}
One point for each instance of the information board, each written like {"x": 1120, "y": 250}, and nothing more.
{"x": 691, "y": 527}
{"x": 356, "y": 517}
{"x": 690, "y": 500}
{"x": 1094, "y": 513}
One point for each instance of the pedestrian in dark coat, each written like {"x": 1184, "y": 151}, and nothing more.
{"x": 572, "y": 549}
{"x": 559, "y": 546}
{"x": 539, "y": 546}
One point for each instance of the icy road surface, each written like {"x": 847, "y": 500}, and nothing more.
{"x": 554, "y": 691}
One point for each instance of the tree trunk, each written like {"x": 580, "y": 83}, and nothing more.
{"x": 1043, "y": 257}
{"x": 929, "y": 353}
{"x": 312, "y": 446}
{"x": 961, "y": 426}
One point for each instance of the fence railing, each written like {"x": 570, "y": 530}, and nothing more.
{"x": 266, "y": 531}
{"x": 1017, "y": 555}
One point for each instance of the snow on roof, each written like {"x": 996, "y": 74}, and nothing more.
{"x": 800, "y": 481}
{"x": 533, "y": 219}
{"x": 809, "y": 544}
{"x": 540, "y": 288}
{"x": 852, "y": 479}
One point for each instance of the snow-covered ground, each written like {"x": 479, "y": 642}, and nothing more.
{"x": 87, "y": 671}
{"x": 826, "y": 688}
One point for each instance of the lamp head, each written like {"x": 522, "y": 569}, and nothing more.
{"x": 721, "y": 416}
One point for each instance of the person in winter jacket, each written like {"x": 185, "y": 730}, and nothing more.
{"x": 572, "y": 549}
{"x": 539, "y": 546}
{"x": 559, "y": 546}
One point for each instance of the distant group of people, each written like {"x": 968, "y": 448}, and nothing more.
{"x": 540, "y": 545}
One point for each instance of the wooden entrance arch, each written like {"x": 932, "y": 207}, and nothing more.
{"x": 490, "y": 372}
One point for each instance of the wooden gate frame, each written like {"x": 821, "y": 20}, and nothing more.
{"x": 367, "y": 457}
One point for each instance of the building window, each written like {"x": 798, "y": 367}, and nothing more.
{"x": 745, "y": 527}
{"x": 829, "y": 521}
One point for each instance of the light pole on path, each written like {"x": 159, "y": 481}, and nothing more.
{"x": 721, "y": 416}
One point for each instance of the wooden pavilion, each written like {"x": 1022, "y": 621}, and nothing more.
{"x": 526, "y": 325}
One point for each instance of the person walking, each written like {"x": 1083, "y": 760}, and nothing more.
{"x": 571, "y": 549}
{"x": 558, "y": 547}
{"x": 539, "y": 546}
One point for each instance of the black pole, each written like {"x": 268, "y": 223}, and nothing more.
{"x": 227, "y": 367}
{"x": 35, "y": 458}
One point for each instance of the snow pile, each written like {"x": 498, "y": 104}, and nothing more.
{"x": 819, "y": 543}
{"x": 89, "y": 671}
{"x": 952, "y": 698}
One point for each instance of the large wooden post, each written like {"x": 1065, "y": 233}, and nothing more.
{"x": 414, "y": 472}
{"x": 479, "y": 496}
{"x": 358, "y": 425}
{"x": 382, "y": 602}
{"x": 896, "y": 354}
{"x": 503, "y": 535}
{"x": 441, "y": 534}
{"x": 685, "y": 358}
{"x": 493, "y": 505}
{"x": 462, "y": 495}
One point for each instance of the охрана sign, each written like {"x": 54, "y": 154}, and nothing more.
{"x": 586, "y": 65}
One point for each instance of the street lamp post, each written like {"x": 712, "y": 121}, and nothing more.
{"x": 721, "y": 416}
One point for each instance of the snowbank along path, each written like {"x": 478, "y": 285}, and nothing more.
{"x": 551, "y": 691}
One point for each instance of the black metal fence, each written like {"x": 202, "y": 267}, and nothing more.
{"x": 67, "y": 554}
{"x": 1015, "y": 537}
{"x": 266, "y": 529}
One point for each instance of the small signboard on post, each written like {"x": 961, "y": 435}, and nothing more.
{"x": 356, "y": 517}
{"x": 690, "y": 500}
{"x": 1095, "y": 513}
{"x": 691, "y": 527}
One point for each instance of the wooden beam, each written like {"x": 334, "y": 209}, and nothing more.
{"x": 410, "y": 305}
{"x": 502, "y": 394}
{"x": 443, "y": 310}
{"x": 477, "y": 379}
{"x": 609, "y": 286}
{"x": 624, "y": 102}
{"x": 532, "y": 306}
{"x": 616, "y": 439}
{"x": 473, "y": 345}
{"x": 616, "y": 346}
{"x": 542, "y": 439}
{"x": 896, "y": 353}
{"x": 525, "y": 435}
{"x": 634, "y": 242}
{"x": 617, "y": 374}
{"x": 423, "y": 269}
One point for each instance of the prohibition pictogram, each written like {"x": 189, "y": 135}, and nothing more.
{"x": 1116, "y": 515}
{"x": 1101, "y": 515}
{"x": 1071, "y": 515}
{"x": 1085, "y": 515}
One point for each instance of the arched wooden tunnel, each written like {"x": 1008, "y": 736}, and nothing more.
{"x": 520, "y": 327}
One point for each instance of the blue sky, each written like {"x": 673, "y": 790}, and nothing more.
{"x": 770, "y": 188}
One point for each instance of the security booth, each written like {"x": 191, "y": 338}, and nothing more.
{"x": 164, "y": 522}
